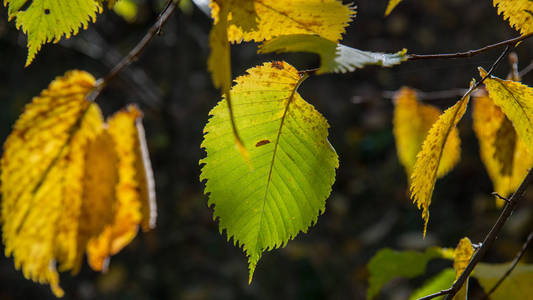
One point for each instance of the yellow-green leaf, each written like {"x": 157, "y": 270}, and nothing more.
{"x": 45, "y": 21}
{"x": 519, "y": 13}
{"x": 516, "y": 286}
{"x": 411, "y": 124}
{"x": 389, "y": 264}
{"x": 391, "y": 5}
{"x": 441, "y": 281}
{"x": 428, "y": 160}
{"x": 516, "y": 101}
{"x": 292, "y": 164}
{"x": 42, "y": 168}
{"x": 265, "y": 19}
{"x": 503, "y": 153}
{"x": 335, "y": 58}
{"x": 127, "y": 9}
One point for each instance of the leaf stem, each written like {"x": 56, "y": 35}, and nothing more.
{"x": 136, "y": 52}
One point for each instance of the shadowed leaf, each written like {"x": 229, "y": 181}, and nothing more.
{"x": 494, "y": 146}
{"x": 516, "y": 286}
{"x": 516, "y": 101}
{"x": 388, "y": 264}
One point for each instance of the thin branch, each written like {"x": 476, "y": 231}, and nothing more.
{"x": 526, "y": 70}
{"x": 513, "y": 265}
{"x": 134, "y": 54}
{"x": 441, "y": 293}
{"x": 470, "y": 53}
{"x": 491, "y": 236}
{"x": 428, "y": 96}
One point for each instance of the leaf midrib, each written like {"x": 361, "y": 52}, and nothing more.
{"x": 271, "y": 167}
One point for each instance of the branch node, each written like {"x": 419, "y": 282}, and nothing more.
{"x": 500, "y": 197}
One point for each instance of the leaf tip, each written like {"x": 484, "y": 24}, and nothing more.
{"x": 482, "y": 73}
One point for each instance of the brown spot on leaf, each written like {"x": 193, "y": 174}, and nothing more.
{"x": 262, "y": 143}
{"x": 278, "y": 65}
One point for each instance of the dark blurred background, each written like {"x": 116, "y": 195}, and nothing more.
{"x": 186, "y": 257}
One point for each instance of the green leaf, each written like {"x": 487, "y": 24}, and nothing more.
{"x": 516, "y": 286}
{"x": 46, "y": 21}
{"x": 388, "y": 264}
{"x": 291, "y": 169}
{"x": 335, "y": 58}
{"x": 440, "y": 282}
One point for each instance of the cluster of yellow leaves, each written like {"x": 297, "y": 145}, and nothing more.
{"x": 506, "y": 150}
{"x": 411, "y": 124}
{"x": 71, "y": 183}
{"x": 503, "y": 122}
{"x": 503, "y": 153}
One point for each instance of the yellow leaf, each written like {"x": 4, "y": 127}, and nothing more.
{"x": 219, "y": 63}
{"x": 42, "y": 169}
{"x": 265, "y": 19}
{"x": 519, "y": 13}
{"x": 503, "y": 153}
{"x": 411, "y": 123}
{"x": 427, "y": 161}
{"x": 516, "y": 101}
{"x": 392, "y": 4}
{"x": 219, "y": 60}
{"x": 462, "y": 255}
{"x": 100, "y": 181}
{"x": 135, "y": 196}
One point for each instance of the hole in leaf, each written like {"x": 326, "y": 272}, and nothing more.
{"x": 46, "y": 11}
